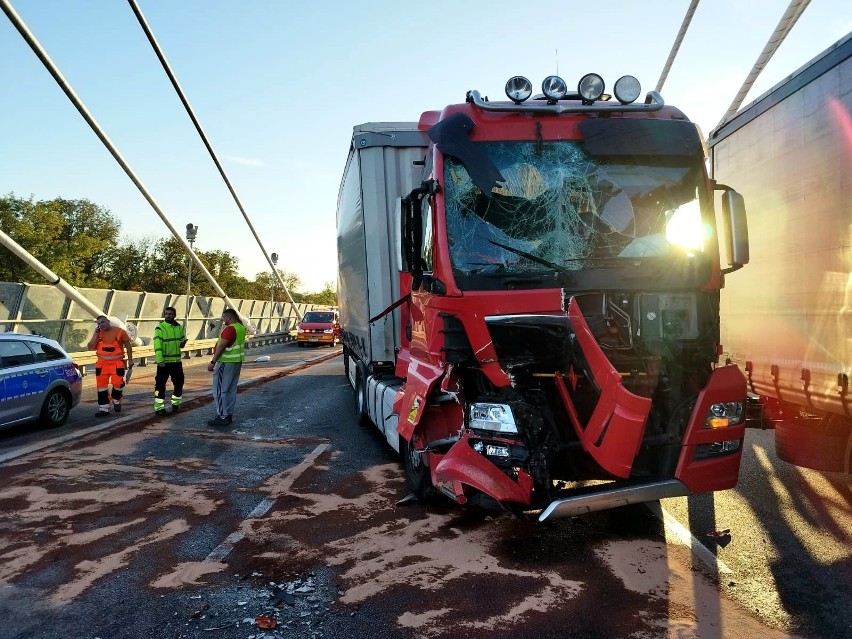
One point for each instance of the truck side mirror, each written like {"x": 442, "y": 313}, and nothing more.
{"x": 735, "y": 226}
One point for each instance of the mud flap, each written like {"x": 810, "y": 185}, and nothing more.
{"x": 614, "y": 431}
{"x": 463, "y": 465}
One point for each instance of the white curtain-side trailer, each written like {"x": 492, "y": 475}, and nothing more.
{"x": 786, "y": 320}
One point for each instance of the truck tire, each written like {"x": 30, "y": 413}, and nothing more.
{"x": 361, "y": 396}
{"x": 417, "y": 473}
{"x": 824, "y": 446}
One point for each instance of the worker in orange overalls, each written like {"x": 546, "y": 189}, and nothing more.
{"x": 110, "y": 342}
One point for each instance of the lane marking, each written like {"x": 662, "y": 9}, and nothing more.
{"x": 224, "y": 549}
{"x": 682, "y": 535}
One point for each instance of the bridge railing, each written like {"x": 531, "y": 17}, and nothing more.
{"x": 44, "y": 310}
{"x": 144, "y": 355}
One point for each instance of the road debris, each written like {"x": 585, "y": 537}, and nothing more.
{"x": 266, "y": 622}
{"x": 721, "y": 537}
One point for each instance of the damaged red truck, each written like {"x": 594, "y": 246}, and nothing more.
{"x": 529, "y": 299}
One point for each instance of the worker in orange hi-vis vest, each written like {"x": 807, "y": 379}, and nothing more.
{"x": 111, "y": 343}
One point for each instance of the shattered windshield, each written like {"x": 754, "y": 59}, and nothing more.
{"x": 557, "y": 207}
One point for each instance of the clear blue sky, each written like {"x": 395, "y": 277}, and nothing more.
{"x": 278, "y": 86}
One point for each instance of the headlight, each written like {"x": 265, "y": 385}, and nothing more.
{"x": 328, "y": 331}
{"x": 590, "y": 87}
{"x": 518, "y": 89}
{"x": 627, "y": 89}
{"x": 493, "y": 417}
{"x": 724, "y": 414}
{"x": 554, "y": 87}
{"x": 300, "y": 330}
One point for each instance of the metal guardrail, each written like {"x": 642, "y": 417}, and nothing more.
{"x": 193, "y": 348}
{"x": 43, "y": 309}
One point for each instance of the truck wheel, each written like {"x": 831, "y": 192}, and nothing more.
{"x": 55, "y": 409}
{"x": 417, "y": 473}
{"x": 361, "y": 397}
{"x": 825, "y": 446}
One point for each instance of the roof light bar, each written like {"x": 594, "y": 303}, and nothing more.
{"x": 554, "y": 88}
{"x": 627, "y": 89}
{"x": 591, "y": 87}
{"x": 518, "y": 89}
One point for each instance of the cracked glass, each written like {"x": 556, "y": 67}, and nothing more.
{"x": 558, "y": 207}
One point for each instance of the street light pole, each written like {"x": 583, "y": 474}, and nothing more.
{"x": 274, "y": 258}
{"x": 191, "y": 234}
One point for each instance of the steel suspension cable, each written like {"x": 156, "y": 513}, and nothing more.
{"x": 676, "y": 46}
{"x": 162, "y": 58}
{"x": 788, "y": 20}
{"x": 89, "y": 118}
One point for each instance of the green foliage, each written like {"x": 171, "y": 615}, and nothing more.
{"x": 326, "y": 297}
{"x": 71, "y": 237}
{"x": 79, "y": 241}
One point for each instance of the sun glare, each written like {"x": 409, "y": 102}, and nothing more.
{"x": 685, "y": 229}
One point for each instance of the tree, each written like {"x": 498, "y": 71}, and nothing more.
{"x": 131, "y": 264}
{"x": 327, "y": 296}
{"x": 263, "y": 285}
{"x": 166, "y": 267}
{"x": 72, "y": 238}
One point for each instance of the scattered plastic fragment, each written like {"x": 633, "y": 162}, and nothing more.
{"x": 262, "y": 358}
{"x": 408, "y": 499}
{"x": 266, "y": 622}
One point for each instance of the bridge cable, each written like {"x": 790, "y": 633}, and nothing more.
{"x": 81, "y": 108}
{"x": 785, "y": 25}
{"x": 161, "y": 57}
{"x": 676, "y": 46}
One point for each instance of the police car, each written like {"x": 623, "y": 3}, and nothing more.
{"x": 38, "y": 381}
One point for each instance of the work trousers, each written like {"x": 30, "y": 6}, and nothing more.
{"x": 226, "y": 376}
{"x": 164, "y": 372}
{"x": 106, "y": 373}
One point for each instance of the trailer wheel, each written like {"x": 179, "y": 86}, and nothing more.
{"x": 417, "y": 472}
{"x": 361, "y": 396}
{"x": 825, "y": 446}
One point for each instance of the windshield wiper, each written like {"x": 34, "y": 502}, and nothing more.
{"x": 569, "y": 276}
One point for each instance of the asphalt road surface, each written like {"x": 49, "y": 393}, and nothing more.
{"x": 294, "y": 522}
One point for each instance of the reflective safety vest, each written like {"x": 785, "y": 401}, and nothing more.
{"x": 109, "y": 344}
{"x": 236, "y": 351}
{"x": 167, "y": 339}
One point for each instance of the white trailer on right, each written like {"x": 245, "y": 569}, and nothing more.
{"x": 786, "y": 318}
